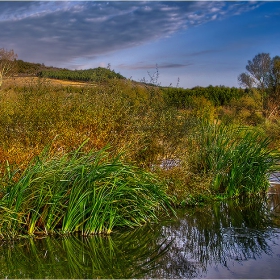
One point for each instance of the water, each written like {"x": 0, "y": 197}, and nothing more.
{"x": 236, "y": 239}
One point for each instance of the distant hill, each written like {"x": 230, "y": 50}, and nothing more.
{"x": 31, "y": 69}
{"x": 40, "y": 70}
{"x": 96, "y": 75}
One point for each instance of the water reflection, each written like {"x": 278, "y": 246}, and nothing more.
{"x": 224, "y": 240}
{"x": 274, "y": 203}
{"x": 123, "y": 256}
{"x": 222, "y": 236}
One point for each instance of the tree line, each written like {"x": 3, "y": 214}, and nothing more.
{"x": 263, "y": 74}
{"x": 97, "y": 74}
{"x": 218, "y": 95}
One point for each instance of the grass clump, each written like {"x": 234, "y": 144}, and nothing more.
{"x": 90, "y": 193}
{"x": 238, "y": 159}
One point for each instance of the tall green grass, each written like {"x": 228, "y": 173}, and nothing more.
{"x": 90, "y": 193}
{"x": 238, "y": 159}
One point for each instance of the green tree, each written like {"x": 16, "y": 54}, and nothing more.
{"x": 246, "y": 80}
{"x": 275, "y": 77}
{"x": 263, "y": 73}
{"x": 259, "y": 70}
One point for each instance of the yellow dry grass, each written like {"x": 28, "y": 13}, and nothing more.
{"x": 18, "y": 80}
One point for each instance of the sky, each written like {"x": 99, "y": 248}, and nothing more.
{"x": 198, "y": 43}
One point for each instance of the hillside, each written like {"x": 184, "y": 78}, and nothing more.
{"x": 32, "y": 69}
{"x": 40, "y": 70}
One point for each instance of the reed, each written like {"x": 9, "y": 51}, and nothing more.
{"x": 238, "y": 159}
{"x": 90, "y": 193}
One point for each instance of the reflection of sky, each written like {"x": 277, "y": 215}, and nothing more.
{"x": 223, "y": 243}
{"x": 199, "y": 42}
{"x": 264, "y": 266}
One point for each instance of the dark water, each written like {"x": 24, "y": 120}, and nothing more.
{"x": 236, "y": 239}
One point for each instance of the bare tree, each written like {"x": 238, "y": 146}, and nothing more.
{"x": 7, "y": 63}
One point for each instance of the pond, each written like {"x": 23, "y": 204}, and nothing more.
{"x": 234, "y": 239}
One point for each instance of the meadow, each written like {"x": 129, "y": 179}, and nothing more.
{"x": 91, "y": 157}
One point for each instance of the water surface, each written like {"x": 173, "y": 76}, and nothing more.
{"x": 235, "y": 239}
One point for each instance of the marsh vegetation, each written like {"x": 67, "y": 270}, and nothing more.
{"x": 90, "y": 158}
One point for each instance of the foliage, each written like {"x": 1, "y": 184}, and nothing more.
{"x": 32, "y": 69}
{"x": 246, "y": 110}
{"x": 183, "y": 98}
{"x": 258, "y": 72}
{"x": 263, "y": 74}
{"x": 275, "y": 78}
{"x": 119, "y": 113}
{"x": 96, "y": 75}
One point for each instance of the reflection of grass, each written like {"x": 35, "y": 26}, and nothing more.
{"x": 79, "y": 192}
{"x": 127, "y": 255}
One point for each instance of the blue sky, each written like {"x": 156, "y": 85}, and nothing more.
{"x": 199, "y": 42}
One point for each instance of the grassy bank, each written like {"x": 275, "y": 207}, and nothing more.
{"x": 144, "y": 146}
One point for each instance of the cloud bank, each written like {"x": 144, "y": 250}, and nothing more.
{"x": 59, "y": 33}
